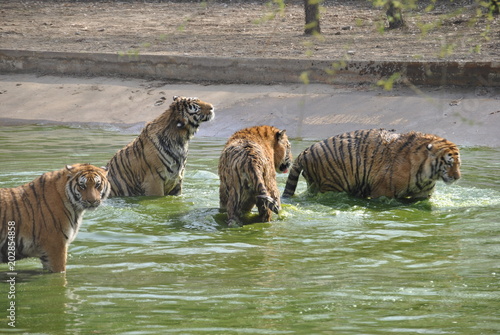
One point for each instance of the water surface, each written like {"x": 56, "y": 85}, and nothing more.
{"x": 329, "y": 264}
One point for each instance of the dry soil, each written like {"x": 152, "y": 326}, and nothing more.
{"x": 350, "y": 29}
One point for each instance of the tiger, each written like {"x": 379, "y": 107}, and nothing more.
{"x": 377, "y": 163}
{"x": 153, "y": 164}
{"x": 41, "y": 218}
{"x": 247, "y": 170}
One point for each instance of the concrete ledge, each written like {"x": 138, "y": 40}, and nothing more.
{"x": 248, "y": 70}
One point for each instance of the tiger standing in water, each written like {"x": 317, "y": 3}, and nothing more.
{"x": 153, "y": 164}
{"x": 375, "y": 163}
{"x": 247, "y": 170}
{"x": 41, "y": 218}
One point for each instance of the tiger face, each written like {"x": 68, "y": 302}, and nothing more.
{"x": 87, "y": 185}
{"x": 192, "y": 112}
{"x": 450, "y": 165}
{"x": 282, "y": 152}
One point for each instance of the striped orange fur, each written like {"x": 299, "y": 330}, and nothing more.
{"x": 247, "y": 170}
{"x": 376, "y": 162}
{"x": 41, "y": 218}
{"x": 153, "y": 163}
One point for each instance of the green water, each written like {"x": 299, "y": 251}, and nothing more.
{"x": 329, "y": 264}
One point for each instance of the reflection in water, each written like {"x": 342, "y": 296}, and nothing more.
{"x": 329, "y": 264}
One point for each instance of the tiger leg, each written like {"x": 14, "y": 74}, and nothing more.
{"x": 268, "y": 200}
{"x": 266, "y": 206}
{"x": 223, "y": 196}
{"x": 227, "y": 202}
{"x": 54, "y": 258}
{"x": 153, "y": 186}
{"x": 177, "y": 190}
{"x": 233, "y": 207}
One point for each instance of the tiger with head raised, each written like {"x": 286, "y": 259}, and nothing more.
{"x": 153, "y": 164}
{"x": 247, "y": 170}
{"x": 375, "y": 163}
{"x": 41, "y": 218}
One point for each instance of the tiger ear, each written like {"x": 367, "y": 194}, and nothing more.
{"x": 176, "y": 97}
{"x": 70, "y": 169}
{"x": 429, "y": 146}
{"x": 106, "y": 170}
{"x": 279, "y": 134}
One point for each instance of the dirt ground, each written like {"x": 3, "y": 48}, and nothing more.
{"x": 350, "y": 30}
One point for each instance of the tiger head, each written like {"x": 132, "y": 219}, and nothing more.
{"x": 87, "y": 185}
{"x": 282, "y": 152}
{"x": 447, "y": 160}
{"x": 190, "y": 112}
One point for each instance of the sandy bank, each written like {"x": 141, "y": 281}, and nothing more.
{"x": 467, "y": 116}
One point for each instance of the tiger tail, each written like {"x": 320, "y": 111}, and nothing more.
{"x": 293, "y": 176}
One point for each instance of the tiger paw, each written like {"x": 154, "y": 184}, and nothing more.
{"x": 266, "y": 202}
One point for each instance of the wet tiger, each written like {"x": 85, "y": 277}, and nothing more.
{"x": 376, "y": 162}
{"x": 41, "y": 218}
{"x": 153, "y": 164}
{"x": 247, "y": 170}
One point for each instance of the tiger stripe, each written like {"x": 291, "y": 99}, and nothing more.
{"x": 48, "y": 211}
{"x": 154, "y": 163}
{"x": 376, "y": 162}
{"x": 247, "y": 170}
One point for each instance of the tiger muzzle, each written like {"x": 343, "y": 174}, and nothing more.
{"x": 284, "y": 167}
{"x": 451, "y": 176}
{"x": 93, "y": 204}
{"x": 209, "y": 116}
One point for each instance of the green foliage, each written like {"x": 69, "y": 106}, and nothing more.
{"x": 275, "y": 8}
{"x": 311, "y": 25}
{"x": 131, "y": 53}
{"x": 336, "y": 66}
{"x": 388, "y": 84}
{"x": 476, "y": 49}
{"x": 486, "y": 33}
{"x": 304, "y": 77}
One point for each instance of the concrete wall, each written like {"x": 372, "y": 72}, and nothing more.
{"x": 247, "y": 70}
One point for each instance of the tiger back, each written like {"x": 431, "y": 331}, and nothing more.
{"x": 153, "y": 164}
{"x": 247, "y": 170}
{"x": 41, "y": 218}
{"x": 376, "y": 162}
